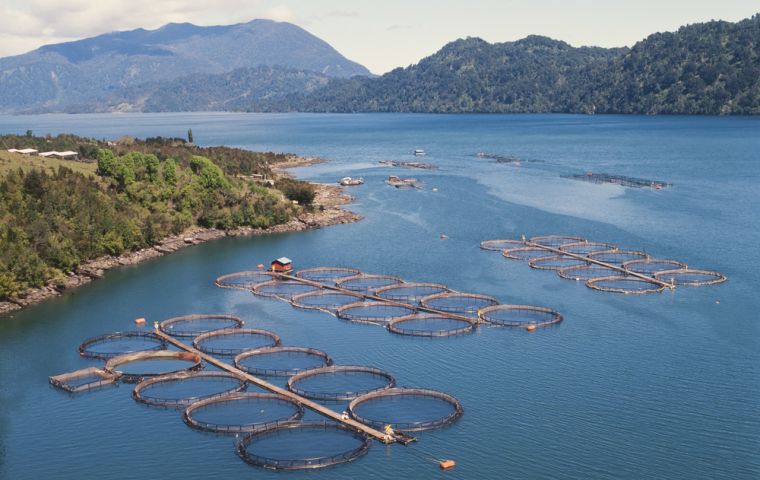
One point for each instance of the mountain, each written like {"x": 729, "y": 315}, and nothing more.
{"x": 55, "y": 77}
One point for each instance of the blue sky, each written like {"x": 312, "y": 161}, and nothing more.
{"x": 378, "y": 34}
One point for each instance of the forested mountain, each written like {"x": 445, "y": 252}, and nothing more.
{"x": 58, "y": 77}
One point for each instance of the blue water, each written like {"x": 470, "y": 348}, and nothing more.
{"x": 652, "y": 386}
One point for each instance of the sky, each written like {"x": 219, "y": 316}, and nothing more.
{"x": 379, "y": 34}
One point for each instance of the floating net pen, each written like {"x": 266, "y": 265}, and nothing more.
{"x": 406, "y": 409}
{"x": 181, "y": 389}
{"x": 281, "y": 361}
{"x": 234, "y": 341}
{"x": 243, "y": 280}
{"x": 119, "y": 343}
{"x": 520, "y": 316}
{"x": 328, "y": 275}
{"x": 242, "y": 412}
{"x": 430, "y": 325}
{"x": 190, "y": 326}
{"x": 340, "y": 382}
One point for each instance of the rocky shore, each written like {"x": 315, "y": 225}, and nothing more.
{"x": 327, "y": 211}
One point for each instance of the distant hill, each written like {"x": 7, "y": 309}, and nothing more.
{"x": 57, "y": 77}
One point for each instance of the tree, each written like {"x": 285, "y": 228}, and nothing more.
{"x": 190, "y": 135}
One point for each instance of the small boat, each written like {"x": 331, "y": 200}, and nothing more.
{"x": 348, "y": 181}
{"x": 399, "y": 182}
{"x": 419, "y": 152}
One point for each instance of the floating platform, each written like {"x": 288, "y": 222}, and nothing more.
{"x": 622, "y": 180}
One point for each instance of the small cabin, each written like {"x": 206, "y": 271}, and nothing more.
{"x": 282, "y": 265}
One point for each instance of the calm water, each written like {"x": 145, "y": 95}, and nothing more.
{"x": 658, "y": 386}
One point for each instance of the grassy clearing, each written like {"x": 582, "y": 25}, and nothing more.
{"x": 13, "y": 161}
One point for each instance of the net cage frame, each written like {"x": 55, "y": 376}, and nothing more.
{"x": 537, "y": 263}
{"x": 346, "y": 456}
{"x": 341, "y": 283}
{"x": 410, "y": 298}
{"x": 85, "y": 351}
{"x": 491, "y": 245}
{"x": 306, "y": 274}
{"x": 284, "y": 297}
{"x": 717, "y": 277}
{"x": 343, "y": 396}
{"x": 604, "y": 247}
{"x": 393, "y": 326}
{"x": 674, "y": 265}
{"x": 555, "y": 316}
{"x": 187, "y": 413}
{"x": 219, "y": 282}
{"x": 165, "y": 326}
{"x": 225, "y": 332}
{"x": 567, "y": 274}
{"x": 104, "y": 378}
{"x": 276, "y": 372}
{"x": 137, "y": 392}
{"x": 655, "y": 287}
{"x": 332, "y": 308}
{"x": 511, "y": 253}
{"x": 425, "y": 302}
{"x": 555, "y": 241}
{"x": 369, "y": 304}
{"x": 641, "y": 254}
{"x": 458, "y": 409}
{"x": 115, "y": 362}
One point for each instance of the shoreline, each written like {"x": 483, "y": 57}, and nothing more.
{"x": 328, "y": 211}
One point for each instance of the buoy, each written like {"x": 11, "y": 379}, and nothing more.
{"x": 435, "y": 189}
{"x": 260, "y": 266}
{"x": 530, "y": 328}
{"x": 444, "y": 236}
{"x": 447, "y": 464}
{"x": 139, "y": 321}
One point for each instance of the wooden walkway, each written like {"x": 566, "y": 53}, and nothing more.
{"x": 320, "y": 409}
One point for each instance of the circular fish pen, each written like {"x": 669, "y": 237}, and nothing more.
{"x": 368, "y": 283}
{"x": 325, "y": 300}
{"x": 233, "y": 341}
{"x": 340, "y": 382}
{"x": 327, "y": 274}
{"x": 650, "y": 266}
{"x": 618, "y": 257}
{"x": 373, "y": 312}
{"x": 555, "y": 263}
{"x": 586, "y": 248}
{"x": 134, "y": 367}
{"x": 556, "y": 241}
{"x": 281, "y": 361}
{"x": 520, "y": 316}
{"x": 181, "y": 389}
{"x": 243, "y": 280}
{"x": 242, "y": 412}
{"x": 499, "y": 245}
{"x": 190, "y": 326}
{"x": 429, "y": 325}
{"x": 691, "y": 278}
{"x": 586, "y": 272}
{"x": 302, "y": 446}
{"x": 120, "y": 343}
{"x": 406, "y": 409}
{"x": 465, "y": 304}
{"x": 627, "y": 285}
{"x": 526, "y": 253}
{"x": 410, "y": 292}
{"x": 283, "y": 289}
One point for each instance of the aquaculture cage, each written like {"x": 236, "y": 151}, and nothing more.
{"x": 618, "y": 257}
{"x": 243, "y": 280}
{"x": 302, "y": 446}
{"x": 373, "y": 312}
{"x": 556, "y": 241}
{"x": 555, "y": 263}
{"x": 190, "y": 326}
{"x": 340, "y": 382}
{"x": 134, "y": 367}
{"x": 650, "y": 266}
{"x": 325, "y": 300}
{"x": 83, "y": 380}
{"x": 627, "y": 285}
{"x": 242, "y": 412}
{"x": 406, "y": 409}
{"x": 367, "y": 283}
{"x": 520, "y": 316}
{"x": 119, "y": 343}
{"x": 587, "y": 272}
{"x": 328, "y": 275}
{"x": 233, "y": 341}
{"x": 586, "y": 248}
{"x": 281, "y": 361}
{"x": 430, "y": 325}
{"x": 465, "y": 304}
{"x": 410, "y": 292}
{"x": 181, "y": 389}
{"x": 526, "y": 253}
{"x": 499, "y": 245}
{"x": 283, "y": 289}
{"x": 693, "y": 278}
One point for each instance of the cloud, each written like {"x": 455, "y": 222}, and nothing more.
{"x": 343, "y": 13}
{"x": 395, "y": 27}
{"x": 280, "y": 13}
